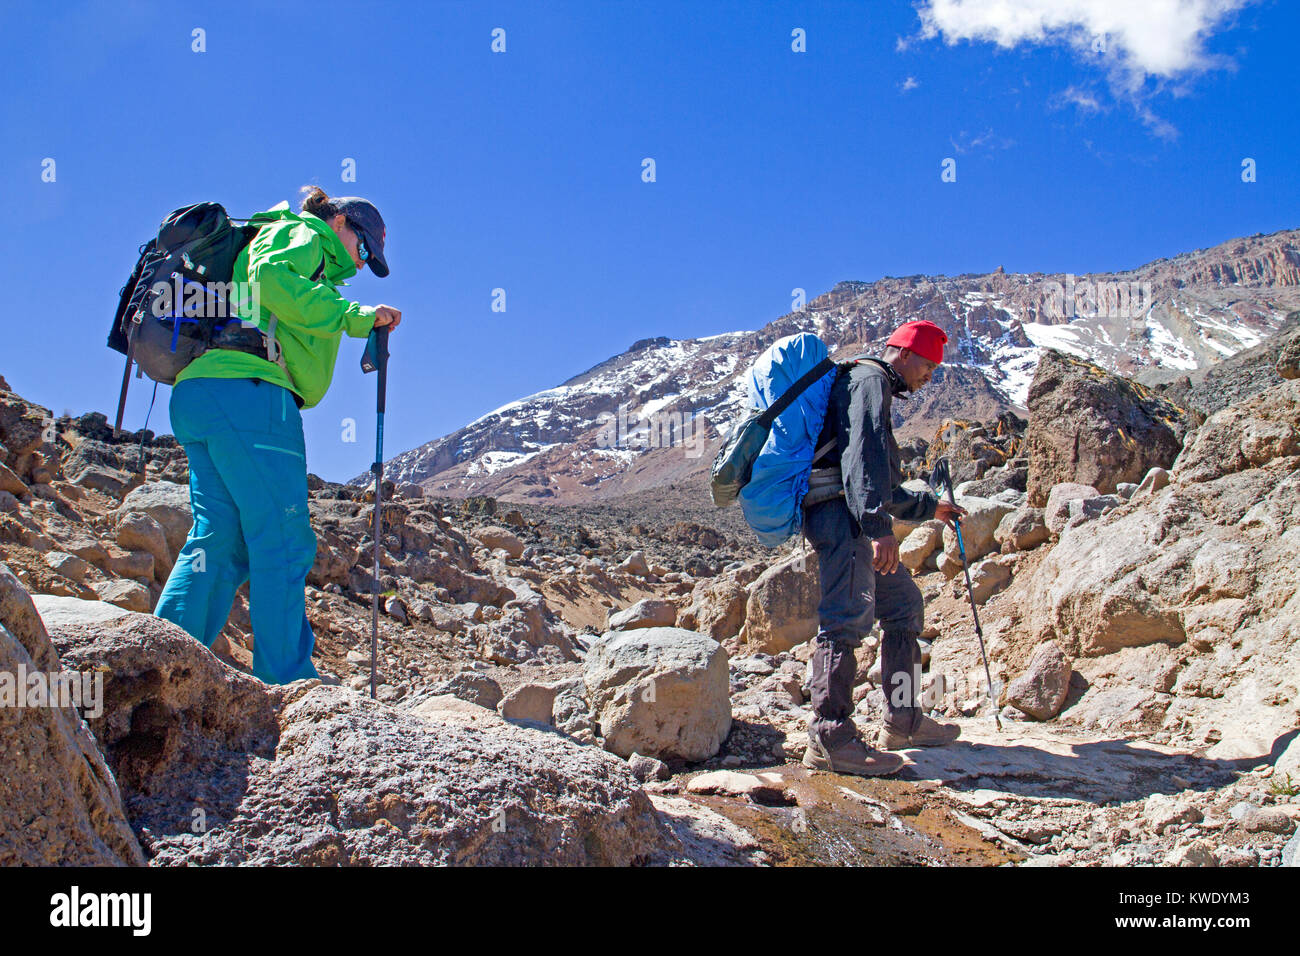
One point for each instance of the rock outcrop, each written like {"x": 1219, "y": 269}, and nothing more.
{"x": 1208, "y": 566}
{"x": 1089, "y": 426}
{"x": 61, "y": 804}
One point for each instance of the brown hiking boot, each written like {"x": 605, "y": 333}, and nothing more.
{"x": 852, "y": 756}
{"x": 929, "y": 733}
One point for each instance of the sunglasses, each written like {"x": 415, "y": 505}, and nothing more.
{"x": 362, "y": 252}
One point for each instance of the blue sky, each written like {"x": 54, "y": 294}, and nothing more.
{"x": 522, "y": 170}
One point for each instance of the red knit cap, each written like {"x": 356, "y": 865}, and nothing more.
{"x": 924, "y": 338}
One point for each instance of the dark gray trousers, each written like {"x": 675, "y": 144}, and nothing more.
{"x": 853, "y": 597}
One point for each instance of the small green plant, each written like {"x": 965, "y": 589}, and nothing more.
{"x": 1283, "y": 787}
{"x": 389, "y": 593}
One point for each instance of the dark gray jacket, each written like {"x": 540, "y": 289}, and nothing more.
{"x": 871, "y": 466}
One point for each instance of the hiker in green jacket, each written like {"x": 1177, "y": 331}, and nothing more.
{"x": 237, "y": 415}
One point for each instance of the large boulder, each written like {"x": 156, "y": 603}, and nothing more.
{"x": 166, "y": 502}
{"x": 354, "y": 782}
{"x": 1211, "y": 562}
{"x": 660, "y": 692}
{"x": 173, "y": 713}
{"x": 61, "y": 803}
{"x": 782, "y": 608}
{"x": 1090, "y": 426}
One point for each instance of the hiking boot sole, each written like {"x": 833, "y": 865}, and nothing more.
{"x": 882, "y": 768}
{"x": 892, "y": 741}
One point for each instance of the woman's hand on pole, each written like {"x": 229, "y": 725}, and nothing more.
{"x": 386, "y": 315}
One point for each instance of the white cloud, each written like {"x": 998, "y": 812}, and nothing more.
{"x": 1133, "y": 41}
{"x": 909, "y": 84}
{"x": 967, "y": 142}
{"x": 1085, "y": 101}
{"x": 1148, "y": 38}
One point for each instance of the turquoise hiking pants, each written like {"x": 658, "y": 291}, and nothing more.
{"x": 248, "y": 492}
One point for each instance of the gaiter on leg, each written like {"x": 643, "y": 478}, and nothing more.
{"x": 900, "y": 669}
{"x": 833, "y": 668}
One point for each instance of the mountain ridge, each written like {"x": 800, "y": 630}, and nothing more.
{"x": 651, "y": 415}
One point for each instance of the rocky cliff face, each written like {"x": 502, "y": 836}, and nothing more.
{"x": 654, "y": 415}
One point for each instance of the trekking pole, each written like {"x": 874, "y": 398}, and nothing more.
{"x": 375, "y": 358}
{"x": 943, "y": 477}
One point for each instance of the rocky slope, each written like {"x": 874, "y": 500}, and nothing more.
{"x": 653, "y": 415}
{"x": 626, "y": 683}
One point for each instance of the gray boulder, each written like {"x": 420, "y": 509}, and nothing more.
{"x": 660, "y": 692}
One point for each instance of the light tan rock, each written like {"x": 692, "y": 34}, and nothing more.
{"x": 977, "y": 527}
{"x": 635, "y": 563}
{"x": 920, "y": 544}
{"x": 497, "y": 537}
{"x": 761, "y": 787}
{"x": 12, "y": 483}
{"x": 69, "y": 565}
{"x": 130, "y": 595}
{"x": 1041, "y": 689}
{"x": 529, "y": 702}
{"x": 1057, "y": 510}
{"x": 1022, "y": 529}
{"x": 661, "y": 691}
{"x": 137, "y": 531}
{"x": 782, "y": 608}
{"x": 1153, "y": 481}
{"x": 988, "y": 577}
{"x": 648, "y": 612}
{"x": 166, "y": 502}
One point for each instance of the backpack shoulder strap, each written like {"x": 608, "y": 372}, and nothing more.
{"x": 794, "y": 391}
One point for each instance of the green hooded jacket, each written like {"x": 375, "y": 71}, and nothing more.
{"x": 312, "y": 316}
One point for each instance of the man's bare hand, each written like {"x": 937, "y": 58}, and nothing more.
{"x": 885, "y": 555}
{"x": 387, "y": 315}
{"x": 946, "y": 512}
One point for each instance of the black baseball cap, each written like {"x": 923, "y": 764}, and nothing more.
{"x": 365, "y": 218}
